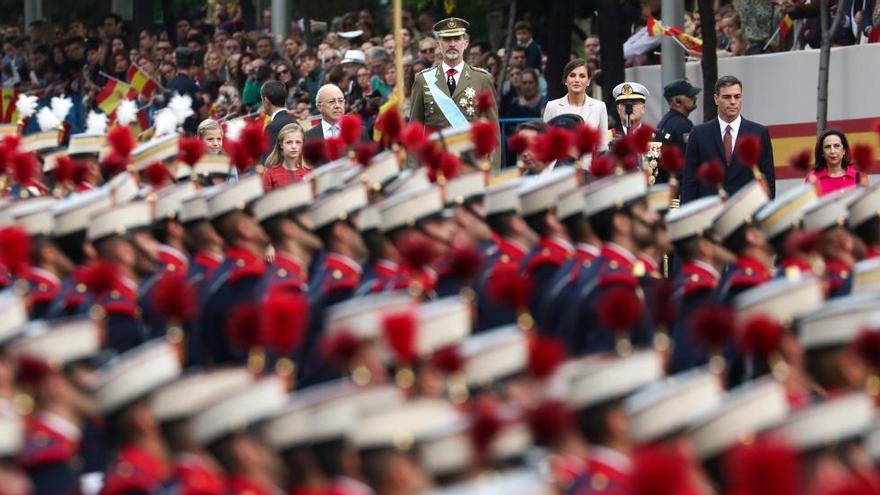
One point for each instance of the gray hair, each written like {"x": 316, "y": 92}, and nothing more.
{"x": 378, "y": 53}
{"x": 323, "y": 89}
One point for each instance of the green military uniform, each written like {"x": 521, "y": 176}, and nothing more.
{"x": 472, "y": 80}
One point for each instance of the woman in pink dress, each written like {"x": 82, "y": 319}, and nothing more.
{"x": 833, "y": 170}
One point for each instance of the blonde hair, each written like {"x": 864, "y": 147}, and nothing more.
{"x": 276, "y": 157}
{"x": 207, "y": 125}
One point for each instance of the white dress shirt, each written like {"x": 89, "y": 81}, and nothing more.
{"x": 276, "y": 112}
{"x": 327, "y": 128}
{"x": 458, "y": 68}
{"x": 734, "y": 128}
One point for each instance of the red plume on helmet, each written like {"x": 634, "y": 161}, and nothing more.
{"x": 31, "y": 370}
{"x": 174, "y": 298}
{"x": 764, "y": 467}
{"x": 417, "y": 252}
{"x": 401, "y": 331}
{"x": 351, "y": 128}
{"x": 156, "y": 175}
{"x": 335, "y": 148}
{"x": 284, "y": 316}
{"x": 114, "y": 164}
{"x": 253, "y": 139}
{"x": 601, "y": 166}
{"x": 642, "y": 137}
{"x": 508, "y": 285}
{"x": 63, "y": 171}
{"x": 550, "y": 421}
{"x": 659, "y": 470}
{"x": 99, "y": 277}
{"x": 711, "y": 172}
{"x": 803, "y": 241}
{"x": 586, "y": 138}
{"x": 121, "y": 140}
{"x": 863, "y": 157}
{"x": 314, "y": 151}
{"x": 867, "y": 346}
{"x": 713, "y": 325}
{"x": 465, "y": 262}
{"x": 365, "y": 151}
{"x": 484, "y": 135}
{"x": 558, "y": 143}
{"x": 242, "y": 327}
{"x": 802, "y": 161}
{"x": 449, "y": 165}
{"x": 414, "y": 137}
{"x": 25, "y": 167}
{"x": 619, "y": 309}
{"x": 340, "y": 348}
{"x": 545, "y": 355}
{"x": 624, "y": 147}
{"x": 448, "y": 360}
{"x": 390, "y": 124}
{"x": 15, "y": 250}
{"x": 486, "y": 424}
{"x": 671, "y": 159}
{"x": 760, "y": 336}
{"x": 748, "y": 148}
{"x": 484, "y": 101}
{"x": 664, "y": 310}
{"x": 190, "y": 150}
{"x": 518, "y": 143}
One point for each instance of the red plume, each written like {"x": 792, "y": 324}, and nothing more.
{"x": 335, "y": 148}
{"x": 586, "y": 138}
{"x": 351, "y": 128}
{"x": 390, "y": 124}
{"x": 601, "y": 167}
{"x": 624, "y": 147}
{"x": 761, "y": 336}
{"x": 365, "y": 151}
{"x": 417, "y": 251}
{"x": 99, "y": 277}
{"x": 486, "y": 424}
{"x": 242, "y": 327}
{"x": 867, "y": 346}
{"x": 156, "y": 175}
{"x": 190, "y": 150}
{"x": 465, "y": 262}
{"x": 431, "y": 155}
{"x": 414, "y": 137}
{"x": 239, "y": 155}
{"x": 545, "y": 355}
{"x": 32, "y": 370}
{"x": 25, "y": 167}
{"x": 340, "y": 348}
{"x": 80, "y": 172}
{"x": 550, "y": 422}
{"x": 664, "y": 310}
{"x": 114, "y": 164}
{"x": 877, "y": 127}
{"x": 283, "y": 319}
{"x": 484, "y": 101}
{"x": 671, "y": 159}
{"x": 559, "y": 142}
{"x": 848, "y": 484}
{"x": 484, "y": 134}
{"x": 508, "y": 285}
{"x": 518, "y": 143}
{"x": 449, "y": 165}
{"x": 642, "y": 137}
{"x": 314, "y": 152}
{"x": 764, "y": 467}
{"x": 254, "y": 140}
{"x": 448, "y": 360}
{"x": 121, "y": 140}
{"x": 863, "y": 157}
{"x": 620, "y": 309}
{"x": 11, "y": 142}
{"x": 63, "y": 171}
{"x": 711, "y": 172}
{"x": 713, "y": 325}
{"x": 5, "y": 157}
{"x": 749, "y": 149}
{"x": 801, "y": 161}
{"x": 659, "y": 470}
{"x": 174, "y": 298}
{"x": 15, "y": 250}
{"x": 803, "y": 241}
{"x": 400, "y": 331}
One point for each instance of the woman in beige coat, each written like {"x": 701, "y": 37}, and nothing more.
{"x": 576, "y": 101}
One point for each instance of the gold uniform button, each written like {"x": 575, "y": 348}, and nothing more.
{"x": 337, "y": 274}
{"x": 598, "y": 482}
{"x": 239, "y": 263}
{"x": 695, "y": 277}
{"x": 282, "y": 272}
{"x": 750, "y": 272}
{"x": 613, "y": 265}
{"x": 124, "y": 469}
{"x": 505, "y": 258}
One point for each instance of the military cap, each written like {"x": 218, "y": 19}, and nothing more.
{"x": 72, "y": 214}
{"x": 170, "y": 200}
{"x": 135, "y": 374}
{"x": 539, "y": 193}
{"x": 571, "y": 203}
{"x": 50, "y": 159}
{"x": 155, "y": 150}
{"x": 238, "y": 409}
{"x": 8, "y": 130}
{"x": 212, "y": 166}
{"x": 451, "y": 27}
{"x": 194, "y": 206}
{"x": 630, "y": 91}
{"x": 234, "y": 196}
{"x": 872, "y": 443}
{"x": 831, "y": 210}
{"x": 866, "y": 276}
{"x": 787, "y": 210}
{"x": 743, "y": 412}
{"x": 568, "y": 121}
{"x": 502, "y": 198}
{"x": 338, "y": 205}
{"x": 13, "y": 315}
{"x": 614, "y": 191}
{"x": 122, "y": 188}
{"x": 781, "y": 299}
{"x": 331, "y": 175}
{"x": 740, "y": 209}
{"x": 40, "y": 141}
{"x": 466, "y": 187}
{"x": 455, "y": 140}
{"x": 830, "y": 422}
{"x": 601, "y": 379}
{"x": 362, "y": 316}
{"x": 405, "y": 209}
{"x": 692, "y": 219}
{"x": 408, "y": 180}
{"x": 35, "y": 216}
{"x": 403, "y": 427}
{"x": 11, "y": 436}
{"x": 353, "y": 57}
{"x": 380, "y": 171}
{"x": 86, "y": 144}
{"x": 658, "y": 197}
{"x": 838, "y": 322}
{"x": 369, "y": 219}
{"x": 10, "y": 209}
{"x": 119, "y": 220}
{"x": 494, "y": 355}
{"x": 192, "y": 393}
{"x": 61, "y": 342}
{"x": 668, "y": 407}
{"x": 288, "y": 199}
{"x": 680, "y": 87}
{"x": 442, "y": 322}
{"x": 519, "y": 481}
{"x": 865, "y": 207}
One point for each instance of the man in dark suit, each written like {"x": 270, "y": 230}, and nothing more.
{"x": 274, "y": 95}
{"x": 716, "y": 140}
{"x": 331, "y": 105}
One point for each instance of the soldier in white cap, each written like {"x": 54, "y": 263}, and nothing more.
{"x": 631, "y": 98}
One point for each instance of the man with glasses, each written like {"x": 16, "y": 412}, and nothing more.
{"x": 231, "y": 47}
{"x": 428, "y": 49}
{"x": 445, "y": 95}
{"x": 331, "y": 105}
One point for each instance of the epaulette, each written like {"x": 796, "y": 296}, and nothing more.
{"x": 44, "y": 446}
{"x": 115, "y": 303}
{"x": 480, "y": 69}
{"x": 342, "y": 283}
{"x": 744, "y": 278}
{"x": 694, "y": 284}
{"x": 427, "y": 69}
{"x": 610, "y": 276}
{"x": 243, "y": 270}
{"x": 544, "y": 257}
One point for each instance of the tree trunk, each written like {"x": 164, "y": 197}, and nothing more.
{"x": 709, "y": 62}
{"x": 558, "y": 46}
{"x": 508, "y": 44}
{"x": 611, "y": 38}
{"x": 828, "y": 34}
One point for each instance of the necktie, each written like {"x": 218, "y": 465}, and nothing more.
{"x": 728, "y": 144}
{"x": 334, "y": 130}
{"x": 450, "y": 80}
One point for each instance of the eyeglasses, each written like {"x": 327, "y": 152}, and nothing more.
{"x": 426, "y": 50}
{"x": 337, "y": 101}
{"x": 282, "y": 72}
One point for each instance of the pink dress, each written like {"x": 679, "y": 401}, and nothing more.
{"x": 828, "y": 184}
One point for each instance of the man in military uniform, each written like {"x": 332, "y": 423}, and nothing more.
{"x": 673, "y": 128}
{"x": 445, "y": 95}
{"x": 631, "y": 98}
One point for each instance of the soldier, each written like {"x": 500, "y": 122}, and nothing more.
{"x": 673, "y": 128}
{"x": 382, "y": 269}
{"x": 781, "y": 221}
{"x": 445, "y": 95}
{"x": 201, "y": 238}
{"x": 836, "y": 243}
{"x": 631, "y": 98}
{"x": 864, "y": 221}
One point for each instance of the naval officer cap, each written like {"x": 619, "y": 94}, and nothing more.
{"x": 630, "y": 91}
{"x": 451, "y": 27}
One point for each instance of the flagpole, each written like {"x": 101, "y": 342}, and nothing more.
{"x": 398, "y": 51}
{"x": 682, "y": 45}
{"x": 108, "y": 76}
{"x": 775, "y": 34}
{"x": 157, "y": 83}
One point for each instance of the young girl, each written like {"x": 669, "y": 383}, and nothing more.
{"x": 284, "y": 164}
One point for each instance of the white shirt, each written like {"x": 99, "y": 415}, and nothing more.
{"x": 325, "y": 126}
{"x": 734, "y": 128}
{"x": 458, "y": 68}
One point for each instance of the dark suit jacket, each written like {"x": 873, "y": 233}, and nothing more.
{"x": 704, "y": 144}
{"x": 280, "y": 120}
{"x": 316, "y": 132}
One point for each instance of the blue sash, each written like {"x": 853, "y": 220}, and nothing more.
{"x": 446, "y": 105}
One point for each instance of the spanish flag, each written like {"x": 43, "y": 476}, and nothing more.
{"x": 112, "y": 95}
{"x": 655, "y": 28}
{"x": 141, "y": 81}
{"x": 785, "y": 25}
{"x": 691, "y": 42}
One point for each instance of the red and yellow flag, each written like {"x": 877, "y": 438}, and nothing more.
{"x": 112, "y": 95}
{"x": 785, "y": 25}
{"x": 8, "y": 113}
{"x": 655, "y": 27}
{"x": 141, "y": 81}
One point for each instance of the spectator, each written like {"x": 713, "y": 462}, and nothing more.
{"x": 730, "y": 25}
{"x": 164, "y": 50}
{"x": 147, "y": 39}
{"x": 526, "y": 161}
{"x": 758, "y": 24}
{"x": 331, "y": 104}
{"x": 492, "y": 63}
{"x": 214, "y": 67}
{"x": 119, "y": 65}
{"x": 273, "y": 95}
{"x": 406, "y": 40}
{"x": 312, "y": 75}
{"x": 378, "y": 61}
{"x": 517, "y": 59}
{"x": 737, "y": 44}
{"x": 292, "y": 48}
{"x": 231, "y": 47}
{"x": 284, "y": 165}
{"x": 576, "y": 78}
{"x": 388, "y": 43}
{"x": 475, "y": 54}
{"x": 257, "y": 74}
{"x": 330, "y": 58}
{"x": 302, "y": 109}
{"x": 181, "y": 29}
{"x": 428, "y": 49}
{"x": 183, "y": 83}
{"x": 528, "y": 102}
{"x": 266, "y": 49}
{"x": 284, "y": 73}
{"x": 112, "y": 25}
{"x": 210, "y": 132}
{"x": 591, "y": 47}
{"x": 524, "y": 40}
{"x": 833, "y": 170}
